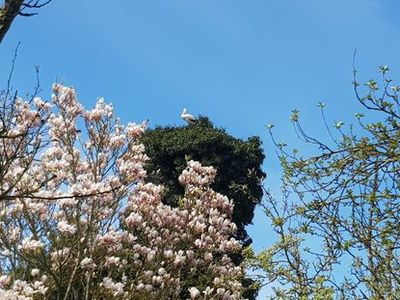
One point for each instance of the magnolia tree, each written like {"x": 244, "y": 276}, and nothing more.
{"x": 77, "y": 220}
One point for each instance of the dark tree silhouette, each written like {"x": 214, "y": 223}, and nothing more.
{"x": 238, "y": 163}
{"x": 13, "y": 8}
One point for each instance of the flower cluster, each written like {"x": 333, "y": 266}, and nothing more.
{"x": 77, "y": 217}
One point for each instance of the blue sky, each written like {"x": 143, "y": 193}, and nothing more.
{"x": 242, "y": 63}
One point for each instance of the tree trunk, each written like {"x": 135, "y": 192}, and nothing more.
{"x": 8, "y": 12}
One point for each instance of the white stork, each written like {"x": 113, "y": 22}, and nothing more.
{"x": 188, "y": 117}
{"x": 145, "y": 123}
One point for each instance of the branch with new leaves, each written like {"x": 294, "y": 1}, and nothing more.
{"x": 337, "y": 223}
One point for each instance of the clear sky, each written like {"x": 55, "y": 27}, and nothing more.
{"x": 241, "y": 63}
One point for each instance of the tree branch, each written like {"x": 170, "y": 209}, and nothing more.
{"x": 13, "y": 8}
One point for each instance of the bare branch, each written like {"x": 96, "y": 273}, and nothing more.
{"x": 13, "y": 8}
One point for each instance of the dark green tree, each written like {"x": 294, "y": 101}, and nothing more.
{"x": 238, "y": 164}
{"x": 237, "y": 161}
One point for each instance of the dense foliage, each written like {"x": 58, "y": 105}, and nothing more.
{"x": 238, "y": 164}
{"x": 79, "y": 221}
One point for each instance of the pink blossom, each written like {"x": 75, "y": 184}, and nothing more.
{"x": 66, "y": 228}
{"x": 30, "y": 245}
{"x": 133, "y": 219}
{"x": 112, "y": 261}
{"x": 116, "y": 288}
{"x": 134, "y": 131}
{"x": 4, "y": 280}
{"x": 89, "y": 174}
{"x": 194, "y": 292}
{"x": 87, "y": 264}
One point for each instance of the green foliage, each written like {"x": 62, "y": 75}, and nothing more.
{"x": 238, "y": 164}
{"x": 338, "y": 221}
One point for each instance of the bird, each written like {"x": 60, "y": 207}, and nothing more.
{"x": 145, "y": 123}
{"x": 188, "y": 118}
